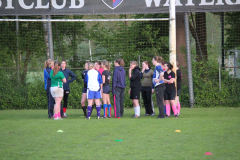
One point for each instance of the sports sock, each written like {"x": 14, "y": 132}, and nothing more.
{"x": 138, "y": 110}
{"x": 89, "y": 109}
{"x": 84, "y": 111}
{"x": 59, "y": 114}
{"x": 98, "y": 108}
{"x": 179, "y": 107}
{"x": 168, "y": 109}
{"x": 64, "y": 110}
{"x": 175, "y": 111}
{"x": 135, "y": 110}
{"x": 109, "y": 110}
{"x": 165, "y": 109}
{"x": 55, "y": 115}
{"x": 105, "y": 110}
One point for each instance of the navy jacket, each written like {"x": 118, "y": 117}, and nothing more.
{"x": 68, "y": 73}
{"x": 118, "y": 79}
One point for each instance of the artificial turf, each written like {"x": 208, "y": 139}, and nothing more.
{"x": 29, "y": 134}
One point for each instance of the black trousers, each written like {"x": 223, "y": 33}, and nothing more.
{"x": 147, "y": 99}
{"x": 159, "y": 90}
{"x": 65, "y": 98}
{"x": 119, "y": 97}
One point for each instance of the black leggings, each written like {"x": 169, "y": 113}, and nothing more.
{"x": 147, "y": 99}
{"x": 65, "y": 98}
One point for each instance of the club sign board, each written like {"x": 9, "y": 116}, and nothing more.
{"x": 93, "y": 7}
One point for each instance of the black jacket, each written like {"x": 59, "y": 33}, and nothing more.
{"x": 135, "y": 80}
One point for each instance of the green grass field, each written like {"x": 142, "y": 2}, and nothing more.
{"x": 29, "y": 134}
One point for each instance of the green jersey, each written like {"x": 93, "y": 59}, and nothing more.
{"x": 56, "y": 81}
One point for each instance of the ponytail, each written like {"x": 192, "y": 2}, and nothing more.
{"x": 45, "y": 64}
{"x": 56, "y": 68}
{"x": 158, "y": 59}
{"x": 120, "y": 62}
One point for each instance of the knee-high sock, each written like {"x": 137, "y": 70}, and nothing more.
{"x": 179, "y": 107}
{"x": 138, "y": 110}
{"x": 98, "y": 108}
{"x": 168, "y": 109}
{"x": 135, "y": 111}
{"x": 165, "y": 109}
{"x": 84, "y": 111}
{"x": 89, "y": 109}
{"x": 175, "y": 111}
{"x": 104, "y": 110}
{"x": 64, "y": 110}
{"x": 109, "y": 110}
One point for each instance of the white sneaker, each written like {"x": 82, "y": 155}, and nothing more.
{"x": 56, "y": 118}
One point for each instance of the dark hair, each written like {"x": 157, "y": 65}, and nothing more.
{"x": 120, "y": 62}
{"x": 169, "y": 65}
{"x": 56, "y": 68}
{"x": 147, "y": 63}
{"x": 98, "y": 62}
{"x": 158, "y": 59}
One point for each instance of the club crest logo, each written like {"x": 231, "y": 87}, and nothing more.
{"x": 112, "y": 3}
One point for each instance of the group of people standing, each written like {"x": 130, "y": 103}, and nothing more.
{"x": 97, "y": 78}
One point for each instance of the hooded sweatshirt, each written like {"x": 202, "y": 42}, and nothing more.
{"x": 135, "y": 80}
{"x": 118, "y": 79}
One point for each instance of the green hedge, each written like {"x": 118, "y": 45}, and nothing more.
{"x": 32, "y": 95}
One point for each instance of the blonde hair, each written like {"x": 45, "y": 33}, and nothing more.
{"x": 90, "y": 65}
{"x": 134, "y": 63}
{"x": 48, "y": 63}
{"x": 107, "y": 64}
{"x": 56, "y": 68}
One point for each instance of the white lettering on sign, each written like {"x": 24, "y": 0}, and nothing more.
{"x": 177, "y": 2}
{"x": 157, "y": 3}
{"x": 205, "y": 3}
{"x": 149, "y": 3}
{"x": 9, "y": 5}
{"x": 40, "y": 5}
{"x": 24, "y": 6}
{"x": 73, "y": 4}
{"x": 189, "y": 3}
{"x": 55, "y": 5}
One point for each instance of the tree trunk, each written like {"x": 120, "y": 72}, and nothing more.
{"x": 46, "y": 36}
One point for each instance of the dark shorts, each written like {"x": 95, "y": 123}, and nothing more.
{"x": 135, "y": 93}
{"x": 178, "y": 92}
{"x": 106, "y": 89}
{"x": 84, "y": 90}
{"x": 169, "y": 96}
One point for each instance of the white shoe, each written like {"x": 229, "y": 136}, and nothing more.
{"x": 56, "y": 118}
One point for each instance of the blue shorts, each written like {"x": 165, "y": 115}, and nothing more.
{"x": 84, "y": 90}
{"x": 94, "y": 94}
